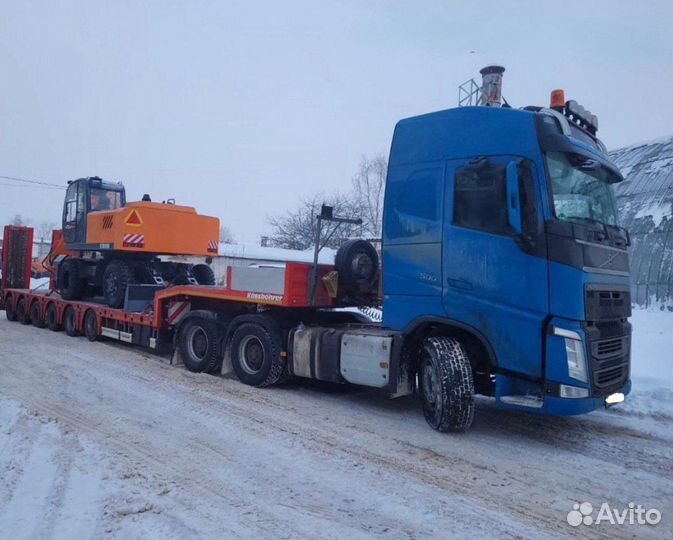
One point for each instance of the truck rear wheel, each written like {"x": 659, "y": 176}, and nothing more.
{"x": 446, "y": 386}
{"x": 70, "y": 322}
{"x": 10, "y": 310}
{"x": 22, "y": 311}
{"x": 198, "y": 343}
{"x": 70, "y": 285}
{"x": 256, "y": 353}
{"x": 35, "y": 315}
{"x": 51, "y": 318}
{"x": 116, "y": 279}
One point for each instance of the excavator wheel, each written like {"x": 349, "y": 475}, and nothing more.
{"x": 203, "y": 274}
{"x": 70, "y": 285}
{"x": 116, "y": 278}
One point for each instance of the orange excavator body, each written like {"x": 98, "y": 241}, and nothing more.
{"x": 149, "y": 227}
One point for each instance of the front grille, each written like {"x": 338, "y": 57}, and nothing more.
{"x": 611, "y": 376}
{"x": 601, "y": 304}
{"x": 607, "y": 348}
{"x": 609, "y": 344}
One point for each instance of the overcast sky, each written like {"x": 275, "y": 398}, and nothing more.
{"x": 239, "y": 108}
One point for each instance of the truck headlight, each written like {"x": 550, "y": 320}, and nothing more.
{"x": 577, "y": 364}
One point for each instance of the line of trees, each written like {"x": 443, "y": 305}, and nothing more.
{"x": 295, "y": 229}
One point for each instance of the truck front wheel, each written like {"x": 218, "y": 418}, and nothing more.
{"x": 446, "y": 385}
{"x": 256, "y": 353}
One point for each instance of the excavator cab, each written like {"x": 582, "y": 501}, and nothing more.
{"x": 88, "y": 195}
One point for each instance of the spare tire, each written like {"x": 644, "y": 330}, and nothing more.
{"x": 358, "y": 264}
{"x": 203, "y": 274}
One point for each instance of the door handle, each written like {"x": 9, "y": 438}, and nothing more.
{"x": 460, "y": 284}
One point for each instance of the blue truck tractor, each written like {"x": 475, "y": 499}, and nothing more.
{"x": 504, "y": 273}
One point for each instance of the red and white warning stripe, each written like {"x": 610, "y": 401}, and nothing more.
{"x": 177, "y": 311}
{"x": 134, "y": 240}
{"x": 212, "y": 246}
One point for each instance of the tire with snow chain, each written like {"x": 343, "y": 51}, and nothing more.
{"x": 256, "y": 349}
{"x": 198, "y": 342}
{"x": 446, "y": 384}
{"x": 203, "y": 274}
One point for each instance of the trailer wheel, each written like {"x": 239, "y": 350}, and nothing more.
{"x": 255, "y": 353}
{"x": 198, "y": 343}
{"x": 203, "y": 274}
{"x": 70, "y": 285}
{"x": 22, "y": 311}
{"x": 116, "y": 279}
{"x": 91, "y": 325}
{"x": 70, "y": 322}
{"x": 446, "y": 386}
{"x": 35, "y": 315}
{"x": 10, "y": 310}
{"x": 51, "y": 318}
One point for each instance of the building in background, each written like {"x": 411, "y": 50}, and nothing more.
{"x": 645, "y": 202}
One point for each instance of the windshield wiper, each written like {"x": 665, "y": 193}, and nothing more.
{"x": 586, "y": 219}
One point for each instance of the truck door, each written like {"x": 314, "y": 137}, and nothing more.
{"x": 74, "y": 215}
{"x": 494, "y": 266}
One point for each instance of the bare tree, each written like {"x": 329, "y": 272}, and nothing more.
{"x": 226, "y": 237}
{"x": 297, "y": 228}
{"x": 18, "y": 221}
{"x": 44, "y": 229}
{"x": 369, "y": 186}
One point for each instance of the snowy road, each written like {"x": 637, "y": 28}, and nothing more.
{"x": 101, "y": 441}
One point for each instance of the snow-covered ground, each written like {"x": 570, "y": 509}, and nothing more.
{"x": 102, "y": 441}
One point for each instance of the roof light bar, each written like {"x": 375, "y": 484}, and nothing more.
{"x": 578, "y": 114}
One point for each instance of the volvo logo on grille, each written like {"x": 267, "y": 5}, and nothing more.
{"x": 608, "y": 260}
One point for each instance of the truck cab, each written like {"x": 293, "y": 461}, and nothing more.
{"x": 501, "y": 229}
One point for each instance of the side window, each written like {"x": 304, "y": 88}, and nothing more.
{"x": 415, "y": 203}
{"x": 480, "y": 197}
{"x": 71, "y": 204}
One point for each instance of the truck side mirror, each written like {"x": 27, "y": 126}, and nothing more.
{"x": 513, "y": 206}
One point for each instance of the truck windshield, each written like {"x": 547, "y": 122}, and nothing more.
{"x": 582, "y": 189}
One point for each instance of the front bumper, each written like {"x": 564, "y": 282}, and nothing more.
{"x": 516, "y": 394}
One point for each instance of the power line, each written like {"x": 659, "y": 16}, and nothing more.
{"x": 32, "y": 182}
{"x": 24, "y": 186}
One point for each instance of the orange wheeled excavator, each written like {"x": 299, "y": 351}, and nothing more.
{"x": 108, "y": 245}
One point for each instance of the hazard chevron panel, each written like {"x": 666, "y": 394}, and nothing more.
{"x": 134, "y": 240}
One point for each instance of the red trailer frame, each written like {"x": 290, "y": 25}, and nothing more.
{"x": 153, "y": 327}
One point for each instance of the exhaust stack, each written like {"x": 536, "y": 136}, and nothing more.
{"x": 491, "y": 87}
